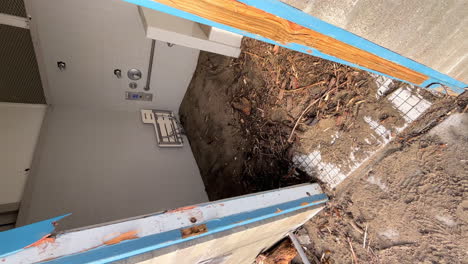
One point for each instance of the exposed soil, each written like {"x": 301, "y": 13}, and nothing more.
{"x": 246, "y": 117}
{"x": 411, "y": 199}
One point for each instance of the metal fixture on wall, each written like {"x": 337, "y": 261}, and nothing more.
{"x": 134, "y": 74}
{"x": 61, "y": 65}
{"x": 150, "y": 66}
{"x": 133, "y": 85}
{"x": 118, "y": 73}
{"x": 170, "y": 45}
{"x": 138, "y": 96}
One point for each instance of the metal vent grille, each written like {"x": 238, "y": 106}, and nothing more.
{"x": 13, "y": 7}
{"x": 19, "y": 75}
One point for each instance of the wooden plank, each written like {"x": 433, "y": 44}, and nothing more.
{"x": 166, "y": 229}
{"x": 256, "y": 21}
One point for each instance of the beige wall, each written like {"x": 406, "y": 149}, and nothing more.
{"x": 96, "y": 37}
{"x": 104, "y": 165}
{"x": 19, "y": 130}
{"x": 95, "y": 158}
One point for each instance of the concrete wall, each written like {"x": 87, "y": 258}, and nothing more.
{"x": 95, "y": 37}
{"x": 104, "y": 165}
{"x": 95, "y": 157}
{"x": 431, "y": 32}
{"x": 20, "y": 125}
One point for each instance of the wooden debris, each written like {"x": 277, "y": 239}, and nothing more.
{"x": 355, "y": 259}
{"x": 307, "y": 109}
{"x": 254, "y": 55}
{"x": 365, "y": 237}
{"x": 275, "y": 49}
{"x": 300, "y": 117}
{"x": 243, "y": 105}
{"x": 357, "y": 228}
{"x": 281, "y": 254}
{"x": 304, "y": 87}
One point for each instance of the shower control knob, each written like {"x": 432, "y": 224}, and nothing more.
{"x": 134, "y": 74}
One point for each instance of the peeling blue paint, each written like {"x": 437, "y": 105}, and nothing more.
{"x": 285, "y": 11}
{"x": 129, "y": 248}
{"x": 14, "y": 240}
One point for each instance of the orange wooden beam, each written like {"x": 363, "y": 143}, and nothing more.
{"x": 256, "y": 21}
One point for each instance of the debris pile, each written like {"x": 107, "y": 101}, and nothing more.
{"x": 247, "y": 118}
{"x": 267, "y": 105}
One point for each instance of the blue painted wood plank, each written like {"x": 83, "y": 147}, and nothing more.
{"x": 14, "y": 240}
{"x": 129, "y": 248}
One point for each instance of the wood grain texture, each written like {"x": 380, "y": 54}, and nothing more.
{"x": 250, "y": 19}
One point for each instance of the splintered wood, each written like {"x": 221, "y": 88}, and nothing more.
{"x": 281, "y": 254}
{"x": 256, "y": 21}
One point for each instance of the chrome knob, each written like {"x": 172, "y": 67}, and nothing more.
{"x": 134, "y": 74}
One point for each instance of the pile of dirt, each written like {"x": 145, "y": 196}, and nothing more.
{"x": 246, "y": 117}
{"x": 408, "y": 204}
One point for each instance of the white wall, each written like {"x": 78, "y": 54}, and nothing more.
{"x": 96, "y": 37}
{"x": 19, "y": 130}
{"x": 95, "y": 158}
{"x": 103, "y": 165}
